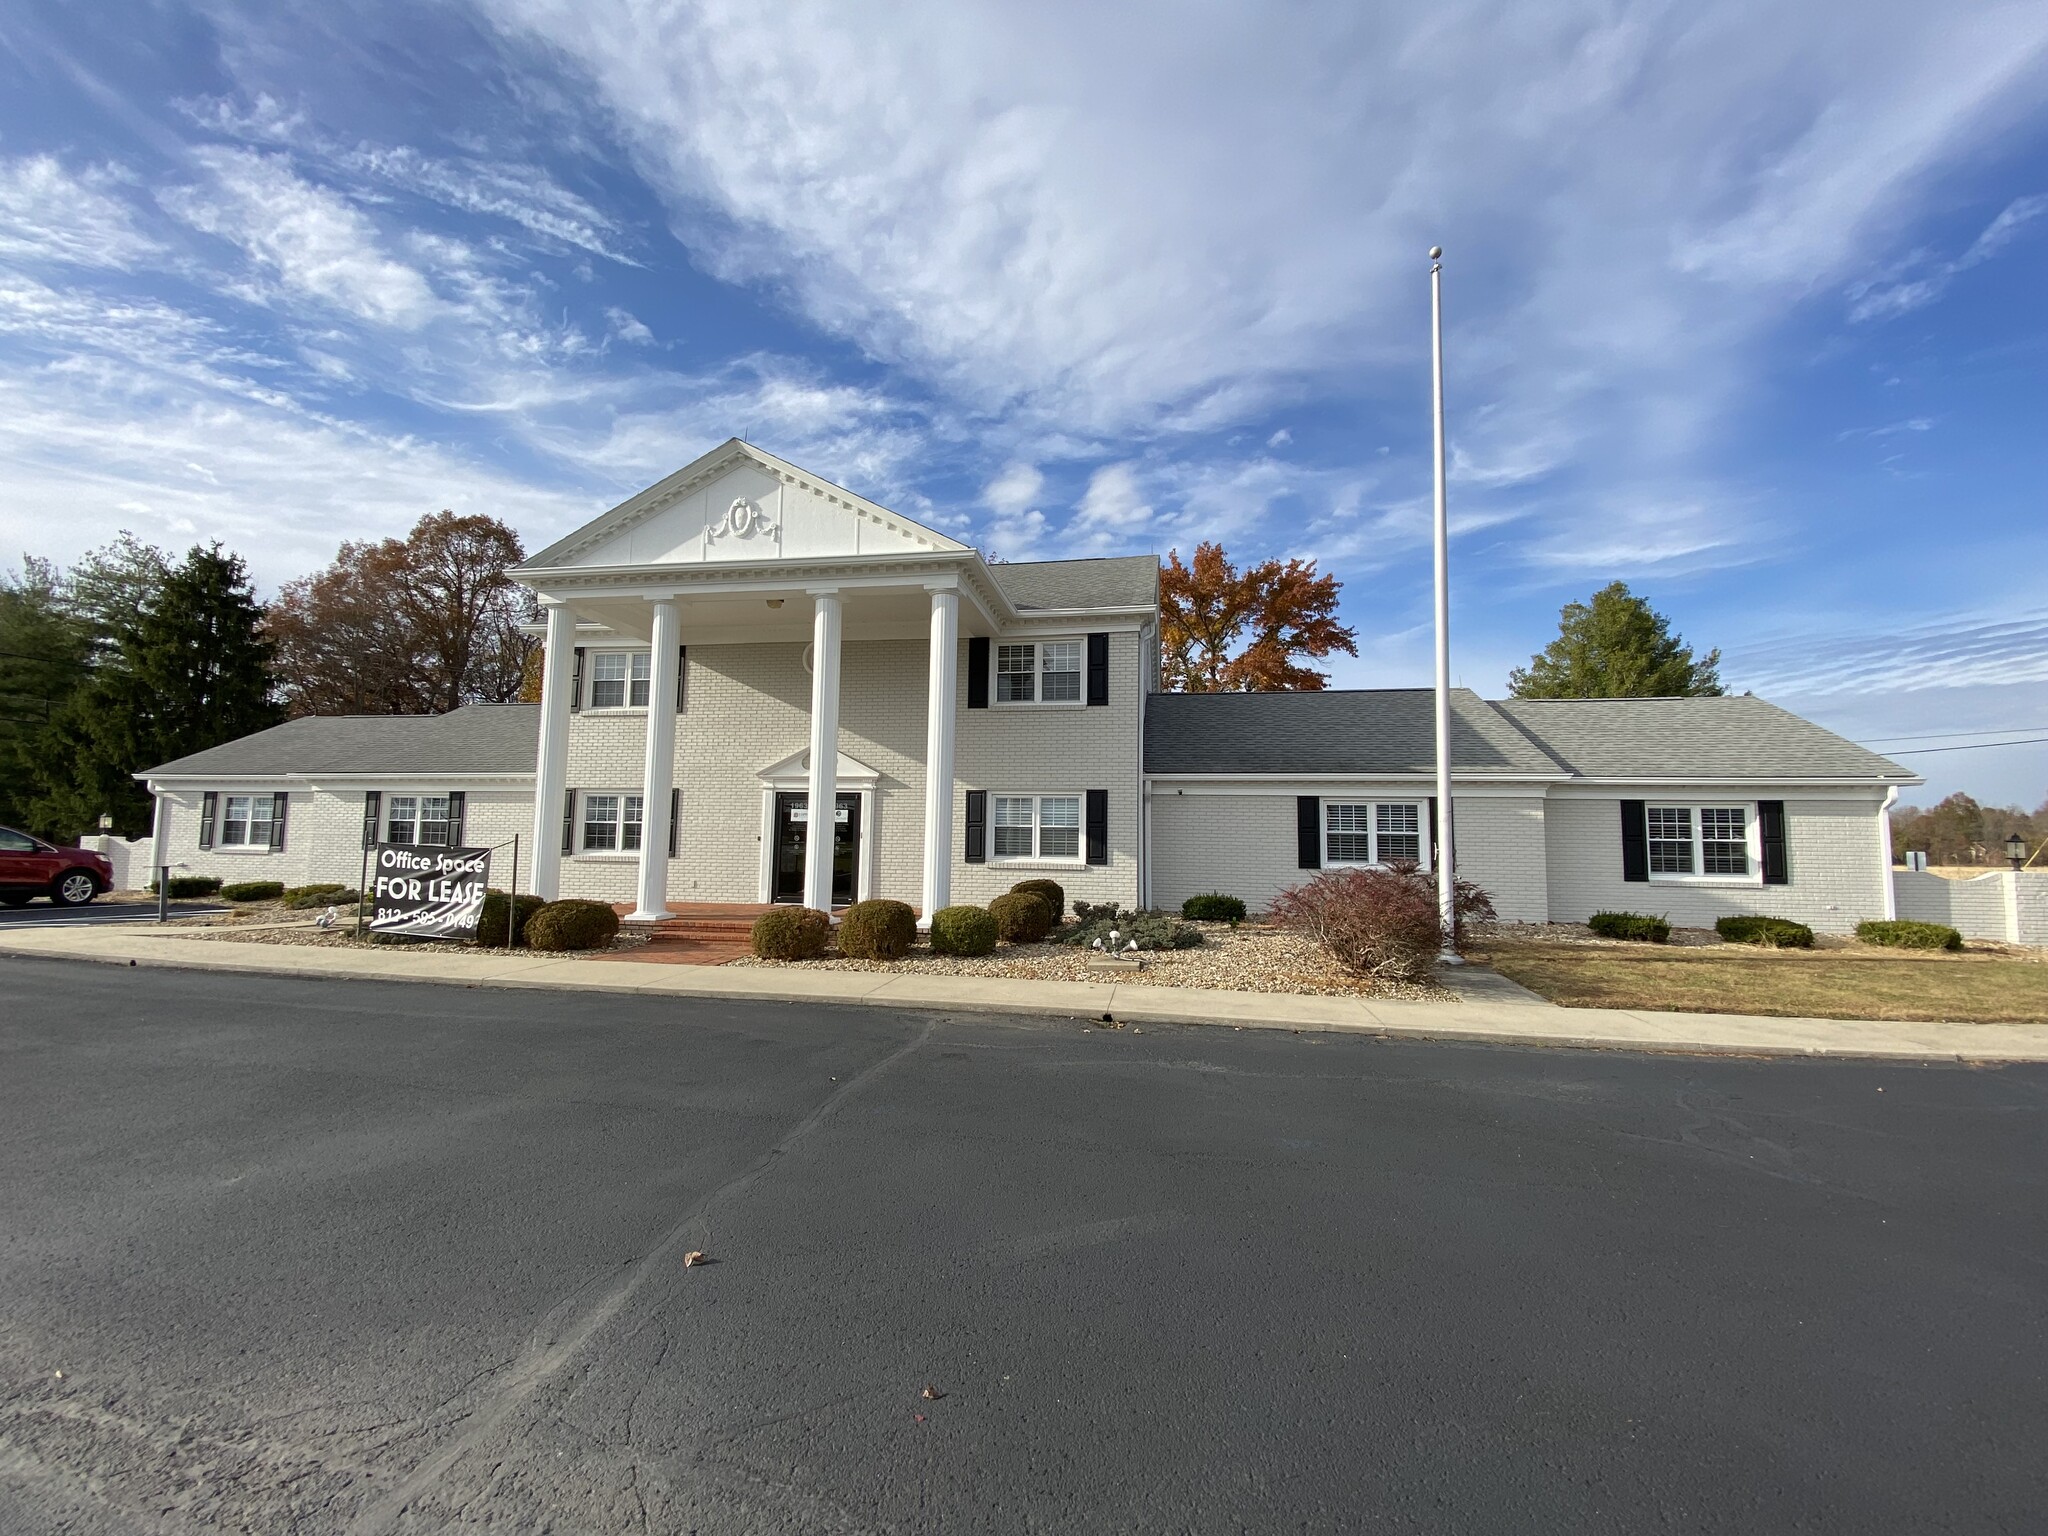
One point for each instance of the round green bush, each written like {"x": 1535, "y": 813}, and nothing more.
{"x": 1054, "y": 893}
{"x": 490, "y": 926}
{"x": 300, "y": 898}
{"x": 877, "y": 930}
{"x": 791, "y": 933}
{"x": 1902, "y": 934}
{"x": 572, "y": 924}
{"x": 1637, "y": 926}
{"x": 963, "y": 931}
{"x": 191, "y": 885}
{"x": 1767, "y": 932}
{"x": 253, "y": 890}
{"x": 1022, "y": 917}
{"x": 1214, "y": 907}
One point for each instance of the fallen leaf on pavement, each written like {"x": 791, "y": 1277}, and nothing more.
{"x": 931, "y": 1394}
{"x": 693, "y": 1258}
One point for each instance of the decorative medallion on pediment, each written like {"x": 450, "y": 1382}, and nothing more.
{"x": 743, "y": 521}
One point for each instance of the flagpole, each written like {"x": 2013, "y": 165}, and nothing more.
{"x": 1446, "y": 874}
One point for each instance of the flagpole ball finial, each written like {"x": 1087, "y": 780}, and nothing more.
{"x": 1436, "y": 253}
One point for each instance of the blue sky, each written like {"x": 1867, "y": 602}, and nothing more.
{"x": 1746, "y": 302}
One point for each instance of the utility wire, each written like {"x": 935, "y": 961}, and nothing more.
{"x": 1989, "y": 730}
{"x": 1972, "y": 746}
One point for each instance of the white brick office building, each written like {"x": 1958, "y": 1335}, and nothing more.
{"x": 745, "y": 638}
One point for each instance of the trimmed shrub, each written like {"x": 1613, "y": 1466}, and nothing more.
{"x": 877, "y": 930}
{"x": 1214, "y": 907}
{"x": 572, "y": 924}
{"x": 1381, "y": 923}
{"x": 1768, "y": 932}
{"x": 253, "y": 890}
{"x": 301, "y": 897}
{"x": 1630, "y": 925}
{"x": 1022, "y": 917}
{"x": 1147, "y": 930}
{"x": 1098, "y": 911}
{"x": 490, "y": 925}
{"x": 191, "y": 885}
{"x": 1054, "y": 893}
{"x": 791, "y": 933}
{"x": 1902, "y": 934}
{"x": 963, "y": 931}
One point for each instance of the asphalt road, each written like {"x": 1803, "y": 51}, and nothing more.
{"x": 47, "y": 914}
{"x": 355, "y": 1257}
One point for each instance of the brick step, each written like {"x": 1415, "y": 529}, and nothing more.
{"x": 698, "y": 928}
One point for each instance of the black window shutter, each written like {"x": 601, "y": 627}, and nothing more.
{"x": 682, "y": 680}
{"x": 1770, "y": 819}
{"x": 373, "y": 812}
{"x": 675, "y": 817}
{"x": 576, "y": 682}
{"x": 278, "y": 804}
{"x": 1098, "y": 826}
{"x": 1436, "y": 856}
{"x": 458, "y": 812}
{"x": 569, "y": 821}
{"x": 1098, "y": 669}
{"x": 977, "y": 825}
{"x": 1308, "y": 832}
{"x": 977, "y": 672}
{"x": 1635, "y": 841}
{"x": 209, "y": 807}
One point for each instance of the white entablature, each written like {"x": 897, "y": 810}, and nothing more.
{"x": 740, "y": 506}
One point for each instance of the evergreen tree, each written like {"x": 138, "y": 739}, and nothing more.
{"x": 1616, "y": 647}
{"x": 45, "y": 658}
{"x": 190, "y": 671}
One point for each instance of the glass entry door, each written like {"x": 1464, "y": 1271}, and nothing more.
{"x": 792, "y": 836}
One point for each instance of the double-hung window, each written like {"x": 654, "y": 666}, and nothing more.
{"x": 1691, "y": 841}
{"x": 1040, "y": 672}
{"x": 1372, "y": 832}
{"x": 611, "y": 823}
{"x": 246, "y": 821}
{"x": 421, "y": 819}
{"x": 1043, "y": 827}
{"x": 618, "y": 680}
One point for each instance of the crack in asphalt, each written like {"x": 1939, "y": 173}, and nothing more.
{"x": 544, "y": 1360}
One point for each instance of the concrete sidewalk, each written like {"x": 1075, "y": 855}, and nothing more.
{"x": 1490, "y": 1008}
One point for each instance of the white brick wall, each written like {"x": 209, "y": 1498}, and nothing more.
{"x": 1833, "y": 857}
{"x": 1242, "y": 841}
{"x": 1999, "y": 905}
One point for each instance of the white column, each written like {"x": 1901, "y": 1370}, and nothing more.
{"x": 551, "y": 765}
{"x": 824, "y": 786}
{"x": 658, "y": 777}
{"x": 938, "y": 753}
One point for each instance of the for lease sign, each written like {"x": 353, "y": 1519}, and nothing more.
{"x": 430, "y": 893}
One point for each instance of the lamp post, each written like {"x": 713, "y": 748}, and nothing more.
{"x": 2016, "y": 850}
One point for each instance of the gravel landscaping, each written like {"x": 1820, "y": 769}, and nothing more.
{"x": 1253, "y": 957}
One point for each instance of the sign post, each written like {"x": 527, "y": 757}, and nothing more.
{"x": 425, "y": 892}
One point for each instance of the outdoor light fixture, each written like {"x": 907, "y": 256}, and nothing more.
{"x": 106, "y": 822}
{"x": 2016, "y": 850}
{"x": 775, "y": 602}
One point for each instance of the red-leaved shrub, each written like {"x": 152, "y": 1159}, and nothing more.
{"x": 1380, "y": 923}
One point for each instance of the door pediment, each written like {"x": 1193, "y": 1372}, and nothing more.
{"x": 794, "y": 772}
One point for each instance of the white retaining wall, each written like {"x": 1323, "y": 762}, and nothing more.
{"x": 2004, "y": 904}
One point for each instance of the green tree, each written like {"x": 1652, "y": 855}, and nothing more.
{"x": 45, "y": 658}
{"x": 189, "y": 671}
{"x": 1615, "y": 647}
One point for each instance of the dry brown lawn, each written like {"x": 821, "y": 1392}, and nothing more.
{"x": 1856, "y": 982}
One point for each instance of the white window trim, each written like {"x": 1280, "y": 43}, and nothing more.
{"x": 1037, "y": 700}
{"x": 1034, "y": 859}
{"x": 384, "y": 812}
{"x": 1421, "y": 804}
{"x": 220, "y": 826}
{"x": 627, "y": 708}
{"x": 608, "y": 855}
{"x": 1752, "y": 838}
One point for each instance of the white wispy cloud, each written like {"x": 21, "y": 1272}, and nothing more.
{"x": 1957, "y": 650}
{"x": 81, "y": 218}
{"x": 1895, "y": 293}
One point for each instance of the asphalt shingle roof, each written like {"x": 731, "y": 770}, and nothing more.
{"x": 1370, "y": 731}
{"x": 1121, "y": 581}
{"x": 1717, "y": 738}
{"x": 477, "y": 739}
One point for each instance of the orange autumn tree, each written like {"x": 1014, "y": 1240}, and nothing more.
{"x": 1223, "y": 630}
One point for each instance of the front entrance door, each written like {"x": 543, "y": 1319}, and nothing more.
{"x": 792, "y": 818}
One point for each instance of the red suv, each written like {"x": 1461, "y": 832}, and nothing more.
{"x": 30, "y": 867}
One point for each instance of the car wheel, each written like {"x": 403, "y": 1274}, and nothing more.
{"x": 74, "y": 888}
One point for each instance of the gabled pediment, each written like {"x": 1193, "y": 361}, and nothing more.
{"x": 794, "y": 772}
{"x": 738, "y": 504}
